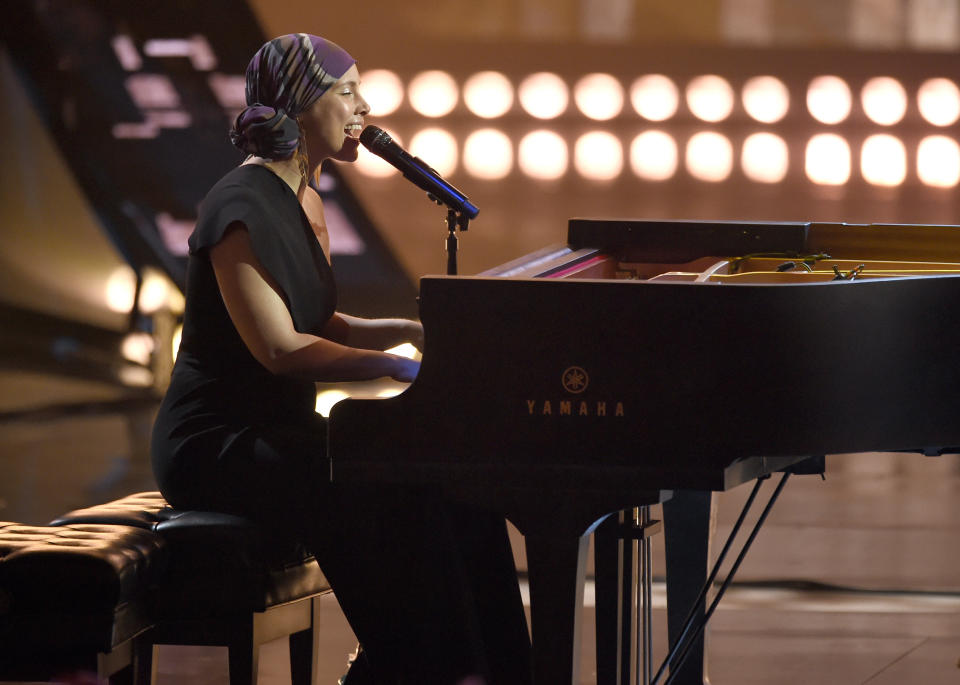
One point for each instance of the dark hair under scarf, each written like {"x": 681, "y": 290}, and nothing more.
{"x": 284, "y": 78}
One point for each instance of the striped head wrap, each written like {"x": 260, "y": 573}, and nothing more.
{"x": 284, "y": 79}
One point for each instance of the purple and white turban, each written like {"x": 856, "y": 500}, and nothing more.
{"x": 284, "y": 78}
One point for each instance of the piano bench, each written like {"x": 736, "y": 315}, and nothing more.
{"x": 228, "y": 582}
{"x": 75, "y": 598}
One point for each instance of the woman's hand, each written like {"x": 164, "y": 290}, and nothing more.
{"x": 414, "y": 334}
{"x": 405, "y": 370}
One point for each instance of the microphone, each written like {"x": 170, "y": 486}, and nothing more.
{"x": 415, "y": 170}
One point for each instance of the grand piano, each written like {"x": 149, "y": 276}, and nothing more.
{"x": 646, "y": 357}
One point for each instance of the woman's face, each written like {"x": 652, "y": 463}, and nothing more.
{"x": 333, "y": 124}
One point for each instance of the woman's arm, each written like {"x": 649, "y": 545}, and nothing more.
{"x": 256, "y": 307}
{"x": 373, "y": 334}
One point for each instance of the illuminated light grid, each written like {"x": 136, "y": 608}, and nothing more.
{"x": 766, "y": 99}
{"x": 655, "y": 97}
{"x": 709, "y": 156}
{"x": 598, "y": 96}
{"x": 371, "y": 165}
{"x": 765, "y": 158}
{"x": 938, "y": 100}
{"x": 437, "y": 147}
{"x": 383, "y": 91}
{"x": 654, "y": 156}
{"x": 488, "y": 94}
{"x": 710, "y": 98}
{"x": 598, "y": 156}
{"x": 829, "y": 100}
{"x": 827, "y": 159}
{"x": 883, "y": 160}
{"x": 938, "y": 161}
{"x": 488, "y": 154}
{"x": 543, "y": 95}
{"x": 884, "y": 100}
{"x": 196, "y": 48}
{"x": 433, "y": 93}
{"x": 543, "y": 155}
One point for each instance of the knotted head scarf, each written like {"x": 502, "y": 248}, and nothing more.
{"x": 284, "y": 79}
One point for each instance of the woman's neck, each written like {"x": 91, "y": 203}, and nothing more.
{"x": 287, "y": 169}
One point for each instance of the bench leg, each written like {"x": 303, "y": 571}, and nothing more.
{"x": 305, "y": 649}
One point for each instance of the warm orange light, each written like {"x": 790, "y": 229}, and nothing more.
{"x": 383, "y": 91}
{"x": 884, "y": 100}
{"x": 939, "y": 101}
{"x": 598, "y": 156}
{"x": 488, "y": 154}
{"x": 710, "y": 98}
{"x": 828, "y": 159}
{"x": 764, "y": 158}
{"x": 121, "y": 289}
{"x": 938, "y": 161}
{"x": 828, "y": 99}
{"x": 883, "y": 160}
{"x": 709, "y": 156}
{"x": 488, "y": 94}
{"x": 437, "y": 147}
{"x": 371, "y": 165}
{"x": 766, "y": 99}
{"x": 433, "y": 93}
{"x": 598, "y": 96}
{"x": 653, "y": 156}
{"x": 543, "y": 155}
{"x": 654, "y": 97}
{"x": 543, "y": 95}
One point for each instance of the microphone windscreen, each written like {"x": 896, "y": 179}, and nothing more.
{"x": 374, "y": 137}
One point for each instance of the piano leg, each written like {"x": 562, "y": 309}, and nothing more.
{"x": 688, "y": 523}
{"x": 556, "y": 567}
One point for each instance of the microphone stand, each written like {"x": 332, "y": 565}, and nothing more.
{"x": 455, "y": 220}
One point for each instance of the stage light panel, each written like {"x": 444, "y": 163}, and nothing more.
{"x": 598, "y": 156}
{"x": 766, "y": 99}
{"x": 598, "y": 96}
{"x": 488, "y": 154}
{"x": 884, "y": 100}
{"x": 938, "y": 100}
{"x": 883, "y": 160}
{"x": 653, "y": 156}
{"x": 543, "y": 155}
{"x": 709, "y": 156}
{"x": 938, "y": 161}
{"x": 437, "y": 147}
{"x": 488, "y": 94}
{"x": 710, "y": 98}
{"x": 829, "y": 100}
{"x": 655, "y": 97}
{"x": 827, "y": 159}
{"x": 383, "y": 91}
{"x": 765, "y": 158}
{"x": 433, "y": 93}
{"x": 543, "y": 95}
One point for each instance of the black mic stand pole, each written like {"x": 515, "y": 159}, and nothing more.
{"x": 454, "y": 221}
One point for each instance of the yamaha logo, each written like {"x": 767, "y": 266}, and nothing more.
{"x": 575, "y": 380}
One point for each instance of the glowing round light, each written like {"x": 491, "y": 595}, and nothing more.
{"x": 137, "y": 347}
{"x": 654, "y": 97}
{"x": 710, "y": 98}
{"x": 827, "y": 159}
{"x": 383, "y": 91}
{"x": 487, "y": 154}
{"x": 370, "y": 164}
{"x": 543, "y": 155}
{"x": 598, "y": 96}
{"x": 433, "y": 93}
{"x": 828, "y": 99}
{"x": 543, "y": 95}
{"x": 598, "y": 156}
{"x": 437, "y": 147}
{"x": 764, "y": 158}
{"x": 883, "y": 160}
{"x": 884, "y": 100}
{"x": 709, "y": 156}
{"x": 766, "y": 99}
{"x": 488, "y": 94}
{"x": 939, "y": 101}
{"x": 938, "y": 161}
{"x": 153, "y": 292}
{"x": 121, "y": 289}
{"x": 653, "y": 156}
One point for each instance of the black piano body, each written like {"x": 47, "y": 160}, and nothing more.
{"x": 596, "y": 376}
